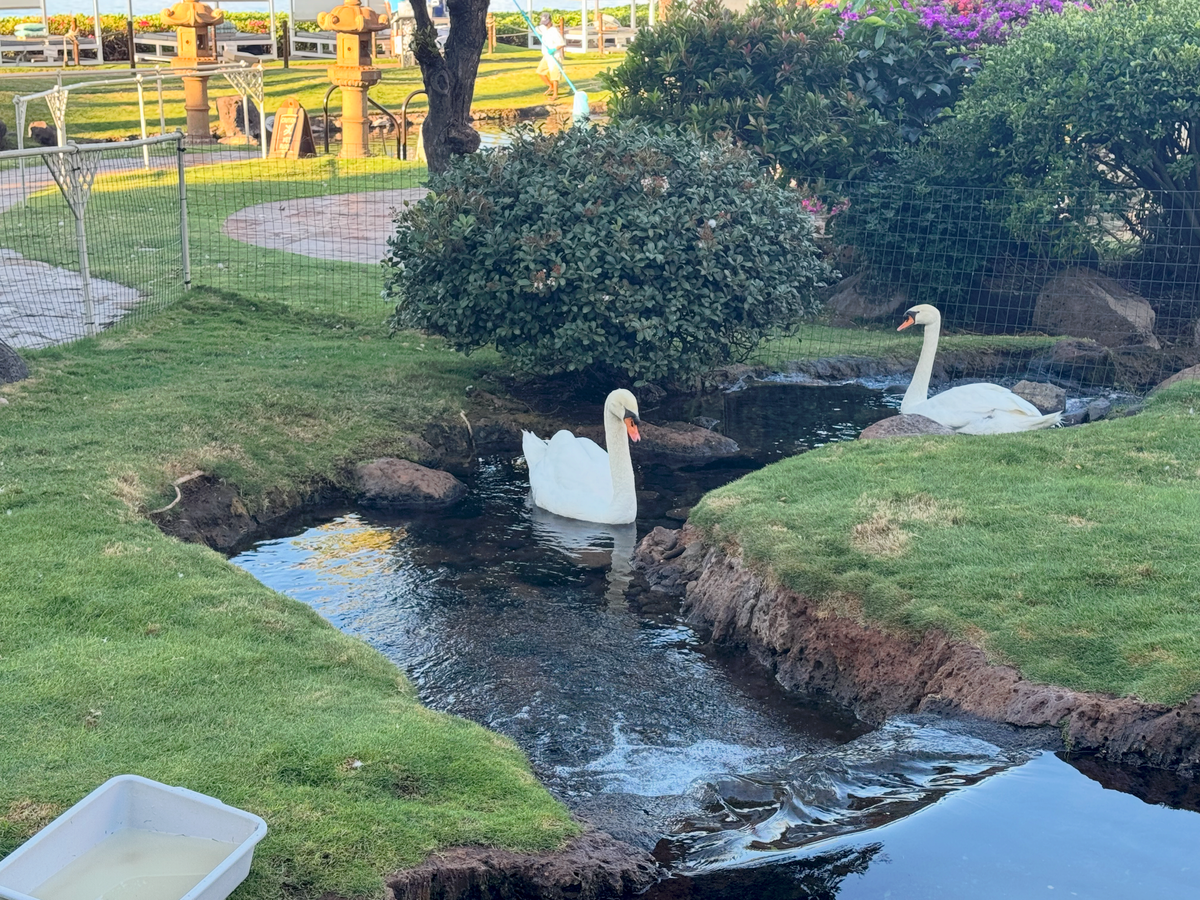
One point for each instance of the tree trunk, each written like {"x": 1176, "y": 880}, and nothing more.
{"x": 12, "y": 367}
{"x": 450, "y": 78}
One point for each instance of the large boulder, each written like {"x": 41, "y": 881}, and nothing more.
{"x": 673, "y": 442}
{"x": 12, "y": 367}
{"x": 391, "y": 482}
{"x": 1083, "y": 362}
{"x": 1085, "y": 304}
{"x": 1189, "y": 374}
{"x": 903, "y": 426}
{"x": 44, "y": 134}
{"x": 231, "y": 118}
{"x": 856, "y": 299}
{"x": 1047, "y": 398}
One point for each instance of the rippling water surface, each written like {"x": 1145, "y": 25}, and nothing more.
{"x": 526, "y": 623}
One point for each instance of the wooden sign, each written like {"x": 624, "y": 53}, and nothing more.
{"x": 291, "y": 138}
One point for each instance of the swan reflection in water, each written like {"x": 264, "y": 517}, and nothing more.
{"x": 592, "y": 545}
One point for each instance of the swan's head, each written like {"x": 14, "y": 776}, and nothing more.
{"x": 921, "y": 314}
{"x": 623, "y": 405}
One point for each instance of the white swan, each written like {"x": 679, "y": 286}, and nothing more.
{"x": 572, "y": 477}
{"x": 970, "y": 408}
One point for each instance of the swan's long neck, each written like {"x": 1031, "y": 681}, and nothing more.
{"x": 918, "y": 388}
{"x": 616, "y": 441}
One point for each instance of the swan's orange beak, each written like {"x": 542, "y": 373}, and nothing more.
{"x": 631, "y": 427}
{"x": 909, "y": 320}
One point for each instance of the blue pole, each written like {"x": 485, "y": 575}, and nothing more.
{"x": 580, "y": 110}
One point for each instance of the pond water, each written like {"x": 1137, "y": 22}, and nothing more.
{"x": 530, "y": 625}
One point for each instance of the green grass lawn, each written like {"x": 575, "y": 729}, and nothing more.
{"x": 506, "y": 80}
{"x": 814, "y": 340}
{"x": 123, "y": 650}
{"x": 1072, "y": 554}
{"x": 137, "y": 210}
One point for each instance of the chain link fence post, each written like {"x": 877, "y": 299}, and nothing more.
{"x": 185, "y": 250}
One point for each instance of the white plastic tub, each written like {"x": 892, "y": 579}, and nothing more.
{"x": 134, "y": 838}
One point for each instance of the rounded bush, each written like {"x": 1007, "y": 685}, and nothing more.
{"x": 611, "y": 251}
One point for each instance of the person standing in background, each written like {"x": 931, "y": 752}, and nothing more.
{"x": 549, "y": 67}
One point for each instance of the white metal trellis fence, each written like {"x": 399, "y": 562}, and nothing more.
{"x": 71, "y": 263}
{"x": 246, "y": 79}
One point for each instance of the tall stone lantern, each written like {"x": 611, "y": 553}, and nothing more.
{"x": 355, "y": 25}
{"x": 195, "y": 25}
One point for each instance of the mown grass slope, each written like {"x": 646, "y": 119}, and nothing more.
{"x": 123, "y": 650}
{"x": 1073, "y": 554}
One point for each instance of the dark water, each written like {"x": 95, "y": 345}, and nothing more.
{"x": 528, "y": 624}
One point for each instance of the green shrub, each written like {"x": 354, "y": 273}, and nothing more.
{"x": 613, "y": 251}
{"x": 812, "y": 93}
{"x": 1097, "y": 103}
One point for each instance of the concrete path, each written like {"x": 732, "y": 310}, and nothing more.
{"x": 42, "y": 305}
{"x": 38, "y": 177}
{"x": 348, "y": 227}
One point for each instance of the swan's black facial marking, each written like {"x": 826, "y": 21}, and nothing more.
{"x": 632, "y": 415}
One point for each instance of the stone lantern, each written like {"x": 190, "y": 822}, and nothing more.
{"x": 195, "y": 25}
{"x": 355, "y": 25}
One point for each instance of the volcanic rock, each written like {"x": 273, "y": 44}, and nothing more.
{"x": 903, "y": 426}
{"x": 12, "y": 367}
{"x": 1047, "y": 398}
{"x": 855, "y": 299}
{"x": 395, "y": 482}
{"x": 1083, "y": 303}
{"x": 1189, "y": 374}
{"x": 683, "y": 441}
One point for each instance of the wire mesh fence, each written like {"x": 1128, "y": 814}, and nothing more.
{"x": 1089, "y": 291}
{"x": 1086, "y": 290}
{"x": 309, "y": 232}
{"x": 89, "y": 238}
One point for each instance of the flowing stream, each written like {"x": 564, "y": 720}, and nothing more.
{"x": 527, "y": 623}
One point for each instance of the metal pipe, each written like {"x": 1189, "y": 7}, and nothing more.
{"x": 142, "y": 116}
{"x": 185, "y": 251}
{"x": 73, "y": 147}
{"x": 404, "y": 123}
{"x": 325, "y": 116}
{"x": 396, "y": 124}
{"x": 89, "y": 314}
{"x": 246, "y": 121}
{"x": 162, "y": 116}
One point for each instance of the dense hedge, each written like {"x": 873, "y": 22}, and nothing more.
{"x": 812, "y": 92}
{"x": 611, "y": 251}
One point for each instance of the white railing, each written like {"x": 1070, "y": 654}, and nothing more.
{"x": 246, "y": 79}
{"x": 74, "y": 168}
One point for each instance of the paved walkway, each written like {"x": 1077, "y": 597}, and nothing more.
{"x": 38, "y": 177}
{"x": 350, "y": 227}
{"x": 42, "y": 305}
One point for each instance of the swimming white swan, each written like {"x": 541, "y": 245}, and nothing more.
{"x": 573, "y": 477}
{"x": 970, "y": 408}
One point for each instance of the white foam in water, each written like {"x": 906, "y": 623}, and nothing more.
{"x": 654, "y": 771}
{"x": 137, "y": 865}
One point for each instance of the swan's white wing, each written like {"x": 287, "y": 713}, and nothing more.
{"x": 534, "y": 448}
{"x": 984, "y": 409}
{"x": 570, "y": 477}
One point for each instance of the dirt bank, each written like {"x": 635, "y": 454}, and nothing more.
{"x": 878, "y": 674}
{"x": 594, "y": 866}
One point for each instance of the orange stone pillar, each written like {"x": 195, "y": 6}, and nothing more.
{"x": 355, "y": 26}
{"x": 194, "y": 23}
